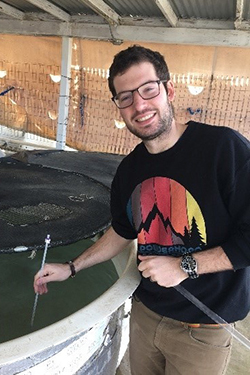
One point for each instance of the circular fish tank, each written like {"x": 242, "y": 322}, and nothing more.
{"x": 88, "y": 341}
{"x": 81, "y": 325}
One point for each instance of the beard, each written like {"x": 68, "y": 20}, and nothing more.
{"x": 164, "y": 126}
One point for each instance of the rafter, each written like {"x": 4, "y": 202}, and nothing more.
{"x": 140, "y": 33}
{"x": 11, "y": 11}
{"x": 48, "y": 7}
{"x": 167, "y": 10}
{"x": 239, "y": 13}
{"x": 105, "y": 11}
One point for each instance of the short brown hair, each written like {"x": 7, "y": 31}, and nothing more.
{"x": 135, "y": 55}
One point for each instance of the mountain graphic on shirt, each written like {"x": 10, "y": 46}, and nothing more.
{"x": 164, "y": 213}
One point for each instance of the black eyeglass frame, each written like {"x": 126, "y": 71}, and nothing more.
{"x": 158, "y": 81}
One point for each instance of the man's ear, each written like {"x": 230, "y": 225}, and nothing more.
{"x": 171, "y": 90}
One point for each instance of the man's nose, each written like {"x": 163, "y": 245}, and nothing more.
{"x": 138, "y": 100}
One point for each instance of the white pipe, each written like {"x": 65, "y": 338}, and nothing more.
{"x": 64, "y": 93}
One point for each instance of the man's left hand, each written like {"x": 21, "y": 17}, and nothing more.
{"x": 164, "y": 270}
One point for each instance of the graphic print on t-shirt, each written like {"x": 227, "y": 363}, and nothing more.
{"x": 167, "y": 218}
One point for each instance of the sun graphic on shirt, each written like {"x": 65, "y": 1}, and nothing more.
{"x": 163, "y": 212}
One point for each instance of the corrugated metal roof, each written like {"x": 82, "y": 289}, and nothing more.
{"x": 22, "y": 5}
{"x": 74, "y": 7}
{"x": 246, "y": 13}
{"x": 209, "y": 9}
{"x": 207, "y": 22}
{"x": 144, "y": 8}
{"x": 206, "y": 9}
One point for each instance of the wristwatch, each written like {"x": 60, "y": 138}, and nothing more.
{"x": 72, "y": 268}
{"x": 189, "y": 265}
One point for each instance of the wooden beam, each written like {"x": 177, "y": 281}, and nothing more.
{"x": 239, "y": 13}
{"x": 105, "y": 11}
{"x": 168, "y": 12}
{"x": 240, "y": 23}
{"x": 136, "y": 21}
{"x": 244, "y": 25}
{"x": 48, "y": 7}
{"x": 140, "y": 33}
{"x": 11, "y": 11}
{"x": 206, "y": 37}
{"x": 206, "y": 24}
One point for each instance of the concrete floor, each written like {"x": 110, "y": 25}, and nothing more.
{"x": 240, "y": 359}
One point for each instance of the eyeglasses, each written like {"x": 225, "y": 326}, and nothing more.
{"x": 148, "y": 90}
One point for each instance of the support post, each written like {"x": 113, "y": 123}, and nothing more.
{"x": 63, "y": 107}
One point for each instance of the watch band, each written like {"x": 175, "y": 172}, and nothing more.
{"x": 193, "y": 274}
{"x": 72, "y": 268}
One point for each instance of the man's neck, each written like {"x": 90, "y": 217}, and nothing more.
{"x": 166, "y": 140}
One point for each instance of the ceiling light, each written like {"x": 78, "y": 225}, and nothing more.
{"x": 195, "y": 90}
{"x": 3, "y": 73}
{"x": 55, "y": 78}
{"x": 52, "y": 115}
{"x": 119, "y": 124}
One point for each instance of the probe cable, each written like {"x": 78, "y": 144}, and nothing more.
{"x": 211, "y": 314}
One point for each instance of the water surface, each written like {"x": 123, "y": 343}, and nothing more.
{"x": 64, "y": 298}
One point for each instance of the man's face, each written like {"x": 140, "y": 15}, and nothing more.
{"x": 147, "y": 119}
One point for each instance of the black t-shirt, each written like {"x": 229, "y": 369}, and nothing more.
{"x": 191, "y": 197}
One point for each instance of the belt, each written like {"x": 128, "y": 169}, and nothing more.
{"x": 199, "y": 325}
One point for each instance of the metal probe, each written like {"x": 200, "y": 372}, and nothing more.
{"x": 47, "y": 242}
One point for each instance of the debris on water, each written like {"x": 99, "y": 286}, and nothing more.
{"x": 33, "y": 254}
{"x": 20, "y": 248}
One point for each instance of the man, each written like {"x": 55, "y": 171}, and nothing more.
{"x": 183, "y": 192}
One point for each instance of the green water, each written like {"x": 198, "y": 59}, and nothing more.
{"x": 64, "y": 298}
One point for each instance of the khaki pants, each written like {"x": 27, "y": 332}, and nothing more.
{"x": 163, "y": 346}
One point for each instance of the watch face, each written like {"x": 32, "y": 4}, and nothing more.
{"x": 189, "y": 265}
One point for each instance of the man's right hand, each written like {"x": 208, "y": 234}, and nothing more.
{"x": 50, "y": 272}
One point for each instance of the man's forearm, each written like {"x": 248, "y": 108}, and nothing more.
{"x": 109, "y": 245}
{"x": 212, "y": 260}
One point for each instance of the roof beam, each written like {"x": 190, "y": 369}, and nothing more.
{"x": 94, "y": 31}
{"x": 11, "y": 11}
{"x": 244, "y": 25}
{"x": 240, "y": 23}
{"x": 48, "y": 7}
{"x": 239, "y": 13}
{"x": 105, "y": 11}
{"x": 204, "y": 24}
{"x": 167, "y": 11}
{"x": 206, "y": 37}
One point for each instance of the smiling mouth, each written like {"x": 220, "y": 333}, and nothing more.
{"x": 145, "y": 118}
